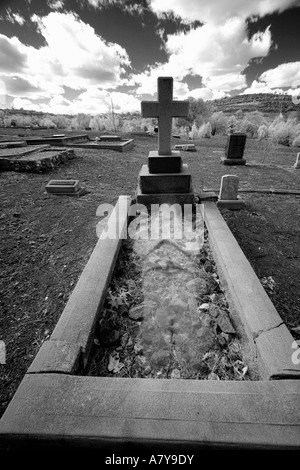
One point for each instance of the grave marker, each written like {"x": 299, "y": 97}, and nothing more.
{"x": 297, "y": 164}
{"x": 234, "y": 150}
{"x": 166, "y": 179}
{"x": 228, "y": 196}
{"x": 165, "y": 109}
{"x": 65, "y": 187}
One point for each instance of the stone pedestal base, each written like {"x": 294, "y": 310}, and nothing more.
{"x": 164, "y": 163}
{"x": 164, "y": 198}
{"x": 233, "y": 205}
{"x": 166, "y": 183}
{"x": 233, "y": 161}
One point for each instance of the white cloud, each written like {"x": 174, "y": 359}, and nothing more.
{"x": 206, "y": 94}
{"x": 261, "y": 87}
{"x": 218, "y": 11}
{"x": 126, "y": 5}
{"x": 97, "y": 101}
{"x": 76, "y": 53}
{"x": 284, "y": 75}
{"x": 220, "y": 65}
{"x": 14, "y": 17}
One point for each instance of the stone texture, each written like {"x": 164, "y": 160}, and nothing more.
{"x": 56, "y": 356}
{"x": 37, "y": 161}
{"x": 160, "y": 198}
{"x": 63, "y": 186}
{"x": 164, "y": 164}
{"x": 156, "y": 183}
{"x": 115, "y": 415}
{"x": 229, "y": 188}
{"x": 165, "y": 109}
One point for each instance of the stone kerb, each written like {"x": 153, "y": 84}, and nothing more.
{"x": 248, "y": 300}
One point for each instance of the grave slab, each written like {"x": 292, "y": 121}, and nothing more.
{"x": 113, "y": 414}
{"x": 110, "y": 138}
{"x": 119, "y": 146}
{"x": 60, "y": 141}
{"x": 155, "y": 183}
{"x": 13, "y": 144}
{"x": 164, "y": 164}
{"x": 186, "y": 147}
{"x": 63, "y": 186}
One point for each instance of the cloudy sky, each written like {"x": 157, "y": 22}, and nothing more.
{"x": 71, "y": 56}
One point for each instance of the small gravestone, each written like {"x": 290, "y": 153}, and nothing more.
{"x": 297, "y": 164}
{"x": 65, "y": 187}
{"x": 228, "y": 196}
{"x": 234, "y": 150}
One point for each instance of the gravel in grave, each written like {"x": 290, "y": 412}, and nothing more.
{"x": 166, "y": 316}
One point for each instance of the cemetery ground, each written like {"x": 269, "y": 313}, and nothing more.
{"x": 46, "y": 240}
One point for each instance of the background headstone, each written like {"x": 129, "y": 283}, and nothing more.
{"x": 297, "y": 164}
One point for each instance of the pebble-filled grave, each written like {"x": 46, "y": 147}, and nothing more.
{"x": 165, "y": 314}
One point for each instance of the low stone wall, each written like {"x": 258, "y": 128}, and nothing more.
{"x": 39, "y": 162}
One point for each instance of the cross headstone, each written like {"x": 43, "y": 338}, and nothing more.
{"x": 165, "y": 109}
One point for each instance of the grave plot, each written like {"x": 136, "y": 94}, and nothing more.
{"x": 108, "y": 143}
{"x": 165, "y": 314}
{"x": 33, "y": 158}
{"x": 57, "y": 140}
{"x": 196, "y": 324}
{"x": 56, "y": 405}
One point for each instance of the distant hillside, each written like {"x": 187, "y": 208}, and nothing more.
{"x": 269, "y": 104}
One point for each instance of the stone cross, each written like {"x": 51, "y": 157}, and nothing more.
{"x": 165, "y": 109}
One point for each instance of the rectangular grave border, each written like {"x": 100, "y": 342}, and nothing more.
{"x": 119, "y": 146}
{"x": 54, "y": 407}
